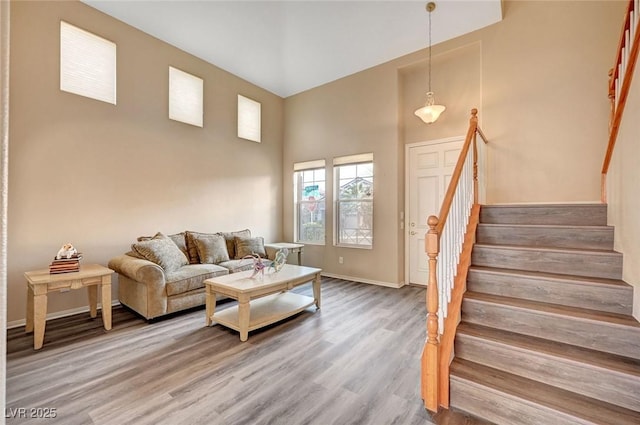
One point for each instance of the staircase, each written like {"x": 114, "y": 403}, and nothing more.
{"x": 547, "y": 335}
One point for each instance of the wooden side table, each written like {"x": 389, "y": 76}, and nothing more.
{"x": 292, "y": 247}
{"x": 41, "y": 282}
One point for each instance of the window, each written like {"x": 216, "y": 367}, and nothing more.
{"x": 249, "y": 116}
{"x": 186, "y": 93}
{"x": 354, "y": 200}
{"x": 87, "y": 64}
{"x": 309, "y": 200}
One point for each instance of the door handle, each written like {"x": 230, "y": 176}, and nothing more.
{"x": 412, "y": 233}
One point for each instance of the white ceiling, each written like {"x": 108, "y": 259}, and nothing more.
{"x": 288, "y": 47}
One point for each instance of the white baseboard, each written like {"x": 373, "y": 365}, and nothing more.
{"x": 59, "y": 314}
{"x": 361, "y": 280}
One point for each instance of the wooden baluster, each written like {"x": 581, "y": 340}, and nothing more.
{"x": 430, "y": 354}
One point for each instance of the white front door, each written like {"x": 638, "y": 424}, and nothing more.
{"x": 430, "y": 166}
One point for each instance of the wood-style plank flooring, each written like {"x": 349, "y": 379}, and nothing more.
{"x": 355, "y": 361}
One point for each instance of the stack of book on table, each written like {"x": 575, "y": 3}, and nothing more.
{"x": 65, "y": 265}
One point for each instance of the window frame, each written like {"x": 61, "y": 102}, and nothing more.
{"x": 298, "y": 172}
{"x": 339, "y": 164}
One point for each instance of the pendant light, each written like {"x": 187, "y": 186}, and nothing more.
{"x": 430, "y": 112}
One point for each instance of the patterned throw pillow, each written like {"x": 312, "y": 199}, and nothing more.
{"x": 178, "y": 238}
{"x": 249, "y": 246}
{"x": 229, "y": 237}
{"x": 162, "y": 251}
{"x": 212, "y": 249}
{"x": 192, "y": 249}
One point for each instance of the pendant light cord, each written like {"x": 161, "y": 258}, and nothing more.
{"x": 429, "y": 51}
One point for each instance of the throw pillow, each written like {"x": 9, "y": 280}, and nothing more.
{"x": 212, "y": 249}
{"x": 231, "y": 246}
{"x": 249, "y": 246}
{"x": 192, "y": 249}
{"x": 178, "y": 238}
{"x": 162, "y": 251}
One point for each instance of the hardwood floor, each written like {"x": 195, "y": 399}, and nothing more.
{"x": 355, "y": 361}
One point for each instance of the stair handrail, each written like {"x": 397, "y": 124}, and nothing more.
{"x": 620, "y": 77}
{"x": 448, "y": 233}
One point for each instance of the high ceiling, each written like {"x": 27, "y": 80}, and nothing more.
{"x": 288, "y": 47}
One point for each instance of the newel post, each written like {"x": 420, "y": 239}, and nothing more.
{"x": 474, "y": 121}
{"x": 430, "y": 354}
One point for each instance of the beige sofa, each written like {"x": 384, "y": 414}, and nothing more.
{"x": 165, "y": 274}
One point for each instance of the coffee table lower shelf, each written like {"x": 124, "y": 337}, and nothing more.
{"x": 265, "y": 311}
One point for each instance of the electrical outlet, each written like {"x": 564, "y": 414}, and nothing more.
{"x": 340, "y": 260}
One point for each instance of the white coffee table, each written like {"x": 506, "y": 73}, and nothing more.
{"x": 263, "y": 299}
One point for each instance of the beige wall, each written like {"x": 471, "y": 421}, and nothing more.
{"x": 623, "y": 187}
{"x": 100, "y": 175}
{"x": 539, "y": 80}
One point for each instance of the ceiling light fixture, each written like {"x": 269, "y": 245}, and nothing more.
{"x": 430, "y": 112}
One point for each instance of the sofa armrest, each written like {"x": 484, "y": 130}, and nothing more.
{"x": 138, "y": 269}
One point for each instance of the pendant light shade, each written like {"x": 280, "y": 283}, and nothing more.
{"x": 430, "y": 112}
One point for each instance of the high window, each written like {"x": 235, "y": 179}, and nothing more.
{"x": 354, "y": 200}
{"x": 87, "y": 64}
{"x": 249, "y": 119}
{"x": 309, "y": 200}
{"x": 186, "y": 93}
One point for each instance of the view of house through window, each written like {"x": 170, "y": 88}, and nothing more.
{"x": 354, "y": 200}
{"x": 309, "y": 187}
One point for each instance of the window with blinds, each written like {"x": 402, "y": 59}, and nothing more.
{"x": 87, "y": 64}
{"x": 186, "y": 92}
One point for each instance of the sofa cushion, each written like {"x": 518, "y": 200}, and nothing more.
{"x": 229, "y": 237}
{"x": 162, "y": 251}
{"x": 212, "y": 249}
{"x": 249, "y": 246}
{"x": 235, "y": 266}
{"x": 192, "y": 249}
{"x": 178, "y": 238}
{"x": 191, "y": 277}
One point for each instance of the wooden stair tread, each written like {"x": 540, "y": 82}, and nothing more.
{"x": 534, "y": 392}
{"x": 550, "y": 226}
{"x": 552, "y": 276}
{"x": 555, "y": 309}
{"x": 454, "y": 417}
{"x": 549, "y": 249}
{"x": 545, "y": 205}
{"x": 611, "y": 362}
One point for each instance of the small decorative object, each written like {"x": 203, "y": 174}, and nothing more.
{"x": 67, "y": 260}
{"x": 258, "y": 265}
{"x": 66, "y": 251}
{"x": 280, "y": 260}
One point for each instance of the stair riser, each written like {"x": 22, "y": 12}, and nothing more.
{"x": 574, "y": 215}
{"x": 596, "y": 238}
{"x": 613, "y": 299}
{"x": 582, "y": 263}
{"x": 602, "y": 336}
{"x": 503, "y": 409}
{"x": 616, "y": 388}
